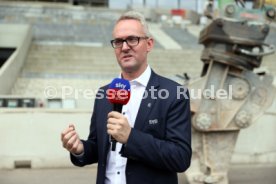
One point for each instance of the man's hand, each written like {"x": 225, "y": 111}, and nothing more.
{"x": 71, "y": 141}
{"x": 118, "y": 127}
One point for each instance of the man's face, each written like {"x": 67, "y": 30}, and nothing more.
{"x": 132, "y": 58}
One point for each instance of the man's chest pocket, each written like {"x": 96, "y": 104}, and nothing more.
{"x": 155, "y": 127}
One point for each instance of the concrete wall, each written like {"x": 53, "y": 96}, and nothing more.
{"x": 256, "y": 144}
{"x": 34, "y": 135}
{"x": 19, "y": 37}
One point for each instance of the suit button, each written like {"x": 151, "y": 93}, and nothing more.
{"x": 103, "y": 165}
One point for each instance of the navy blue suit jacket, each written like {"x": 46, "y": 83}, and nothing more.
{"x": 159, "y": 145}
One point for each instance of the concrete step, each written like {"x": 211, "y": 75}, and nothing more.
{"x": 38, "y": 87}
{"x": 67, "y": 59}
{"x": 64, "y": 23}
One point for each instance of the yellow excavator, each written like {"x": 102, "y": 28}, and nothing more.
{"x": 261, "y": 9}
{"x": 261, "y": 3}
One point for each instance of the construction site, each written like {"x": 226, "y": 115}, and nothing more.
{"x": 55, "y": 55}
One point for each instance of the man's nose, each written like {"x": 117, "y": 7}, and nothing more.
{"x": 125, "y": 46}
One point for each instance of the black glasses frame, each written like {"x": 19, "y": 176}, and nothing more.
{"x": 127, "y": 40}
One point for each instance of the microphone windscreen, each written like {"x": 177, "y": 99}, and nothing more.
{"x": 119, "y": 91}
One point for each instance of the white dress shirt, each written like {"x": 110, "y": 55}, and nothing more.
{"x": 116, "y": 164}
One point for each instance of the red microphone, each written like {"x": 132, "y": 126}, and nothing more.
{"x": 118, "y": 94}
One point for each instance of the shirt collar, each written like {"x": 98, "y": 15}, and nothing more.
{"x": 143, "y": 79}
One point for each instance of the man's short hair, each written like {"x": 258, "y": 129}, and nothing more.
{"x": 135, "y": 15}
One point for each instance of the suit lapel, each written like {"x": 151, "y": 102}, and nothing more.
{"x": 147, "y": 104}
{"x": 106, "y": 110}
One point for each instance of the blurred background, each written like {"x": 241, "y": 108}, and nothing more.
{"x": 54, "y": 55}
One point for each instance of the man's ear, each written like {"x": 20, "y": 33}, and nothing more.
{"x": 150, "y": 44}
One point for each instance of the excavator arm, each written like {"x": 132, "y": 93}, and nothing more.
{"x": 234, "y": 45}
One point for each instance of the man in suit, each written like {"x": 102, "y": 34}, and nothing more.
{"x": 153, "y": 132}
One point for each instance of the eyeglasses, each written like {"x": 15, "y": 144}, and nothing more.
{"x": 131, "y": 41}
